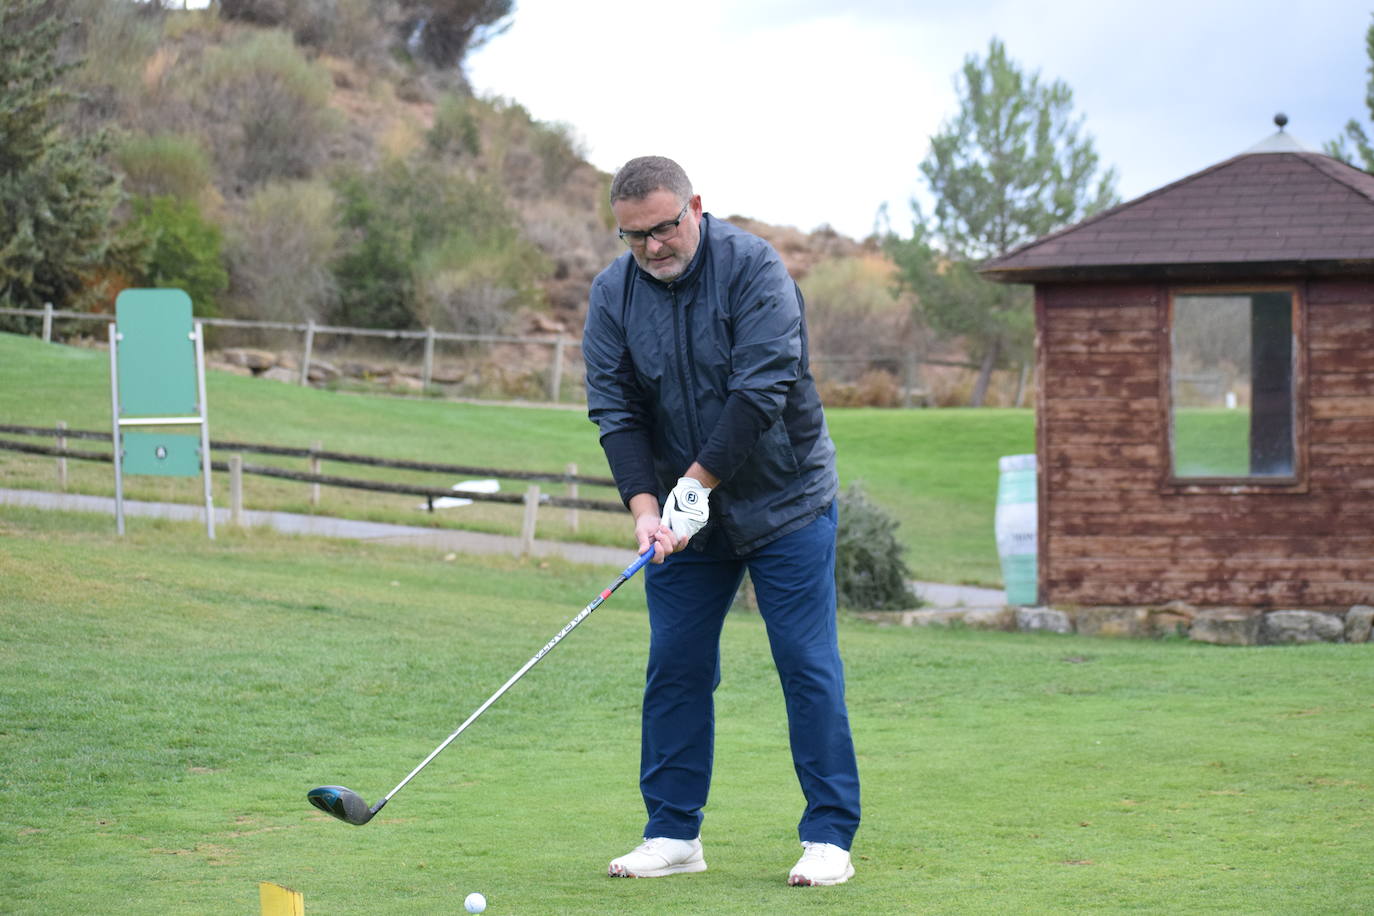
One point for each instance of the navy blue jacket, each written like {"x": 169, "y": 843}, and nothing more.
{"x": 711, "y": 367}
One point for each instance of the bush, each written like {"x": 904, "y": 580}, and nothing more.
{"x": 267, "y": 107}
{"x": 870, "y": 573}
{"x": 164, "y": 164}
{"x": 280, "y": 252}
{"x": 184, "y": 252}
{"x": 432, "y": 247}
{"x": 455, "y": 129}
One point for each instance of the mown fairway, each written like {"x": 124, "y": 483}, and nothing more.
{"x": 165, "y": 703}
{"x": 936, "y": 470}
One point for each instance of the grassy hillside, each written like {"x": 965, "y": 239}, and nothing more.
{"x": 935, "y": 470}
{"x": 168, "y": 702}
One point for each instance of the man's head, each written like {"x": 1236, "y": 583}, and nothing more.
{"x": 658, "y": 215}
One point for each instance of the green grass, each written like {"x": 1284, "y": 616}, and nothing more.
{"x": 935, "y": 470}
{"x": 165, "y": 702}
{"x": 1212, "y": 442}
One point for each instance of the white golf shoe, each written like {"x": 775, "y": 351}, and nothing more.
{"x": 821, "y": 864}
{"x": 659, "y": 856}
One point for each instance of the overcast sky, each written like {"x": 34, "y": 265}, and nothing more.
{"x": 808, "y": 112}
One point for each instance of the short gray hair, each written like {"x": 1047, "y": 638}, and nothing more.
{"x": 638, "y": 178}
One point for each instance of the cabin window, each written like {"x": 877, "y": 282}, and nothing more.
{"x": 1232, "y": 386}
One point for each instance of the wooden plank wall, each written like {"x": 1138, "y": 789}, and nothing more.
{"x": 1113, "y": 533}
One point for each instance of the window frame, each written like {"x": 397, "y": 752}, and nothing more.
{"x": 1297, "y": 482}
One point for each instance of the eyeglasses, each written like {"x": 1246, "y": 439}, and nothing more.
{"x": 662, "y": 232}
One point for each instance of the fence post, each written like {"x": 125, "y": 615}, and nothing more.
{"x": 315, "y": 448}
{"x": 307, "y": 351}
{"x": 47, "y": 322}
{"x": 572, "y": 494}
{"x": 236, "y": 490}
{"x": 427, "y": 372}
{"x": 556, "y": 376}
{"x": 61, "y": 461}
{"x": 530, "y": 521}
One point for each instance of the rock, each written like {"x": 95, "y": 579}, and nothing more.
{"x": 1359, "y": 620}
{"x": 1113, "y": 621}
{"x": 1226, "y": 627}
{"x": 1173, "y": 619}
{"x": 280, "y": 374}
{"x": 224, "y": 366}
{"x": 321, "y": 371}
{"x": 257, "y": 360}
{"x": 990, "y": 619}
{"x": 1032, "y": 619}
{"x": 1281, "y": 627}
{"x": 931, "y": 618}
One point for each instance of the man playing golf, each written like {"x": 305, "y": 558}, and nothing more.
{"x": 698, "y": 379}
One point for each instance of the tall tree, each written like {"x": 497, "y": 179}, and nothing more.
{"x": 1013, "y": 165}
{"x": 57, "y": 200}
{"x": 444, "y": 31}
{"x": 1354, "y": 133}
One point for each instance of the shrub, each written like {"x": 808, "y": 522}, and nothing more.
{"x": 164, "y": 164}
{"x": 184, "y": 252}
{"x": 280, "y": 252}
{"x": 430, "y": 246}
{"x": 267, "y": 106}
{"x": 455, "y": 130}
{"x": 870, "y": 573}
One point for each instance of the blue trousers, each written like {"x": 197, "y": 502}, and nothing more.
{"x": 689, "y": 595}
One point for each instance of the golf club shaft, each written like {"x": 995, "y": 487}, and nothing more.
{"x": 548, "y": 647}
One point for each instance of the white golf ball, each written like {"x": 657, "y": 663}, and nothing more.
{"x": 475, "y": 903}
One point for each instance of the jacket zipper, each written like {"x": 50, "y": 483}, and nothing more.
{"x": 683, "y": 342}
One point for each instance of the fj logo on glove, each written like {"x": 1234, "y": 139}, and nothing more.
{"x": 687, "y": 509}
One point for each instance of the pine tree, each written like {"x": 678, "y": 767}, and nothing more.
{"x": 1009, "y": 168}
{"x": 1354, "y": 133}
{"x": 57, "y": 199}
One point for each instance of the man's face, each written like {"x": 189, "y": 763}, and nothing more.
{"x": 666, "y": 253}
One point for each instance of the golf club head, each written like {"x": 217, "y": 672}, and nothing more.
{"x": 343, "y": 803}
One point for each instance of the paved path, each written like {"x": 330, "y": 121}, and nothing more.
{"x": 935, "y": 595}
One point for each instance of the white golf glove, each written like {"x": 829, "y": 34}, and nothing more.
{"x": 687, "y": 509}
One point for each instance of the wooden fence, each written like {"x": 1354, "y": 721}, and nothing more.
{"x": 309, "y": 331}
{"x": 532, "y": 499}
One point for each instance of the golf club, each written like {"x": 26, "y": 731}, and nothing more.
{"x": 349, "y": 806}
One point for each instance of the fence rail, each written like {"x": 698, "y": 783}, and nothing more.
{"x": 531, "y": 500}
{"x": 309, "y": 330}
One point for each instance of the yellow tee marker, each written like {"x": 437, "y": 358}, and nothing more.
{"x": 280, "y": 901}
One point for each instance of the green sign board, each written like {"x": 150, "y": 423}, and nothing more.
{"x": 157, "y": 354}
{"x": 162, "y": 453}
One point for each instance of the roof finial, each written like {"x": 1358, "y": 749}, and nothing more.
{"x": 1281, "y": 120}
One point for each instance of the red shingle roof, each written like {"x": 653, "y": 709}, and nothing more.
{"x": 1292, "y": 208}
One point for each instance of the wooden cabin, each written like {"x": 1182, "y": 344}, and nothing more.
{"x": 1205, "y": 390}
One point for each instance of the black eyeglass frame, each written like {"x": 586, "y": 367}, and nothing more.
{"x": 662, "y": 232}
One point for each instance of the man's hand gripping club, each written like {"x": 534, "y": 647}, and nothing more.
{"x": 684, "y": 514}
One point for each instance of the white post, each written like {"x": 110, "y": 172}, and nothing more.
{"x": 315, "y": 448}
{"x": 572, "y": 494}
{"x": 427, "y": 372}
{"x": 531, "y": 519}
{"x": 114, "y": 422}
{"x": 236, "y": 490}
{"x": 556, "y": 377}
{"x": 61, "y": 461}
{"x": 47, "y": 322}
{"x": 198, "y": 335}
{"x": 306, "y": 352}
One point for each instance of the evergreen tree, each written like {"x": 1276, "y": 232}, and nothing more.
{"x": 1354, "y": 133}
{"x": 1012, "y": 166}
{"x": 57, "y": 200}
